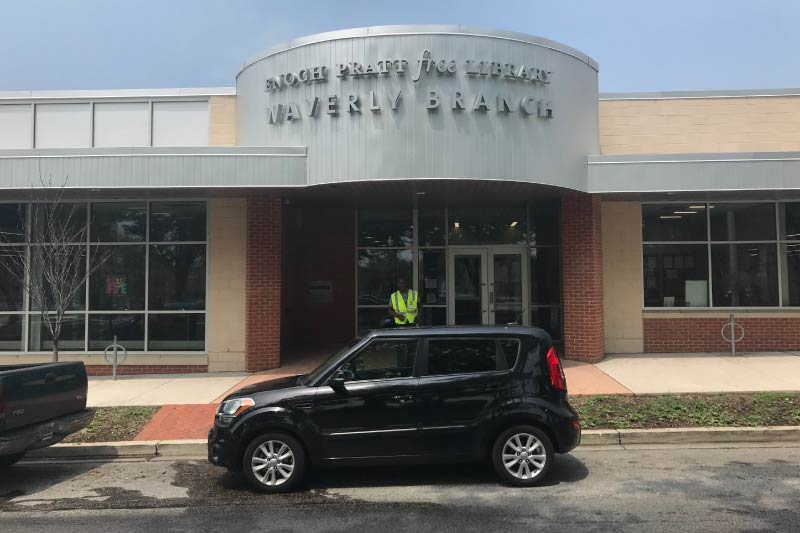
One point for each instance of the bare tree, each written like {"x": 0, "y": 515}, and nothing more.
{"x": 54, "y": 267}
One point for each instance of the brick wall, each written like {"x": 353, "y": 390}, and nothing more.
{"x": 582, "y": 277}
{"x": 703, "y": 334}
{"x": 263, "y": 283}
{"x": 130, "y": 370}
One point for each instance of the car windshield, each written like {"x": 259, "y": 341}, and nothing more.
{"x": 321, "y": 369}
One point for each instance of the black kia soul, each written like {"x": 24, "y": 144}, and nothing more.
{"x": 405, "y": 396}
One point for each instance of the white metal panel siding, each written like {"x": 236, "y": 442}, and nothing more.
{"x": 122, "y": 124}
{"x": 180, "y": 123}
{"x": 16, "y": 126}
{"x": 63, "y": 126}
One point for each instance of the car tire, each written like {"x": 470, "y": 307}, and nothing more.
{"x": 522, "y": 456}
{"x": 7, "y": 461}
{"x": 274, "y": 463}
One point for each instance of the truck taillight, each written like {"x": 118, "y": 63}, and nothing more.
{"x": 557, "y": 379}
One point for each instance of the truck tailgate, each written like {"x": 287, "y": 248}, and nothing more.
{"x": 36, "y": 393}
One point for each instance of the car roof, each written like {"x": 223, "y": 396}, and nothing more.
{"x": 458, "y": 330}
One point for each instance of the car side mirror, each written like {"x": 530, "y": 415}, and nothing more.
{"x": 337, "y": 381}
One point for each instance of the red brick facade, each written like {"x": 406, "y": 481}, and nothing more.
{"x": 582, "y": 277}
{"x": 263, "y": 283}
{"x": 703, "y": 335}
{"x": 131, "y": 370}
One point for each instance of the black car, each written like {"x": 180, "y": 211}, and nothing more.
{"x": 494, "y": 393}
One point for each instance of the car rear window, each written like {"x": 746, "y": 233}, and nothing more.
{"x": 469, "y": 355}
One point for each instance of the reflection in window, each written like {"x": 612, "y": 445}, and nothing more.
{"x": 177, "y": 221}
{"x": 118, "y": 221}
{"x": 39, "y": 257}
{"x": 791, "y": 273}
{"x": 743, "y": 222}
{"x": 177, "y": 332}
{"x": 129, "y": 330}
{"x": 373, "y": 318}
{"x": 545, "y": 275}
{"x": 545, "y": 227}
{"x": 12, "y": 223}
{"x": 382, "y": 359}
{"x": 433, "y": 277}
{"x": 385, "y": 228}
{"x": 675, "y": 275}
{"x": 549, "y": 319}
{"x": 72, "y": 334}
{"x": 744, "y": 275}
{"x": 432, "y": 227}
{"x": 177, "y": 276}
{"x": 674, "y": 222}
{"x": 378, "y": 271}
{"x": 10, "y": 288}
{"x": 461, "y": 356}
{"x": 10, "y": 333}
{"x": 790, "y": 221}
{"x": 118, "y": 283}
{"x": 505, "y": 225}
{"x": 59, "y": 223}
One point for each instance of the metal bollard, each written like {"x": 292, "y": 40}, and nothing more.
{"x": 115, "y": 360}
{"x": 733, "y": 338}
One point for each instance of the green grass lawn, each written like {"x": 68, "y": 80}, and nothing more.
{"x": 688, "y": 410}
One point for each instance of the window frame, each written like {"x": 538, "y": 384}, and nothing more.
{"x": 423, "y": 363}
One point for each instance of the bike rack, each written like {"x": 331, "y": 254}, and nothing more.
{"x": 115, "y": 360}
{"x": 732, "y": 337}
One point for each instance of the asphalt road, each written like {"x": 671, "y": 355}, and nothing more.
{"x": 611, "y": 489}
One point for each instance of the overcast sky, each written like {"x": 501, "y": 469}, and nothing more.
{"x": 641, "y": 45}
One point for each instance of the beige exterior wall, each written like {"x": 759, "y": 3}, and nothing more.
{"x": 222, "y": 127}
{"x": 622, "y": 277}
{"x": 227, "y": 249}
{"x": 696, "y": 125}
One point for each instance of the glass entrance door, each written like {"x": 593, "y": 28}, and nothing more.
{"x": 487, "y": 286}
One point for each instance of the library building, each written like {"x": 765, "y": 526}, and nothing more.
{"x": 244, "y": 226}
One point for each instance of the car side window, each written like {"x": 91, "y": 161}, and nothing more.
{"x": 469, "y": 355}
{"x": 382, "y": 359}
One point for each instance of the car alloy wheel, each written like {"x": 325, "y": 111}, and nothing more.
{"x": 273, "y": 463}
{"x": 524, "y": 456}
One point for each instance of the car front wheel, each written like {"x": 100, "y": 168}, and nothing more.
{"x": 274, "y": 462}
{"x": 522, "y": 456}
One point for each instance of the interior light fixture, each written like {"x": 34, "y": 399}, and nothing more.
{"x": 456, "y": 225}
{"x": 697, "y": 207}
{"x": 670, "y": 216}
{"x": 514, "y": 224}
{"x": 685, "y": 212}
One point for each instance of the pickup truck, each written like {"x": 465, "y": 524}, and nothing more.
{"x": 40, "y": 405}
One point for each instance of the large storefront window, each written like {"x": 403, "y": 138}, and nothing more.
{"x": 746, "y": 246}
{"x": 427, "y": 245}
{"x": 149, "y": 290}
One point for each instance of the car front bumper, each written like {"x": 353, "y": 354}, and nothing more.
{"x": 44, "y": 434}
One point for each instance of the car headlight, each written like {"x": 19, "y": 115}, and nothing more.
{"x": 235, "y": 407}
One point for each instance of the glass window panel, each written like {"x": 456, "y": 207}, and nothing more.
{"x": 175, "y": 332}
{"x": 373, "y": 318}
{"x": 11, "y": 272}
{"x": 463, "y": 356}
{"x": 790, "y": 221}
{"x": 118, "y": 221}
{"x": 744, "y": 275}
{"x": 378, "y": 271}
{"x": 468, "y": 284}
{"x": 385, "y": 228}
{"x": 433, "y": 277}
{"x": 434, "y": 316}
{"x": 383, "y": 359}
{"x": 12, "y": 223}
{"x": 129, "y": 330}
{"x": 177, "y": 276}
{"x": 675, "y": 275}
{"x": 59, "y": 223}
{"x": 49, "y": 257}
{"x": 71, "y": 338}
{"x": 505, "y": 225}
{"x": 549, "y": 319}
{"x": 742, "y": 222}
{"x": 510, "y": 348}
{"x": 545, "y": 275}
{"x": 791, "y": 273}
{"x": 431, "y": 227}
{"x": 118, "y": 283}
{"x": 674, "y": 222}
{"x": 10, "y": 333}
{"x": 545, "y": 227}
{"x": 177, "y": 221}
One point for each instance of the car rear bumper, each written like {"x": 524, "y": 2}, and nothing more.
{"x": 44, "y": 434}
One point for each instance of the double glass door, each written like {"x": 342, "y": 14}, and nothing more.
{"x": 487, "y": 285}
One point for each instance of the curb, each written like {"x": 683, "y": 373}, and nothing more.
{"x": 110, "y": 450}
{"x": 730, "y": 435}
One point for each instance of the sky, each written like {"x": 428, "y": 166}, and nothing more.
{"x": 641, "y": 45}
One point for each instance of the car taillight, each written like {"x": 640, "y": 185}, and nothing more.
{"x": 557, "y": 379}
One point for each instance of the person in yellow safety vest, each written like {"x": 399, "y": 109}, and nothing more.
{"x": 404, "y": 305}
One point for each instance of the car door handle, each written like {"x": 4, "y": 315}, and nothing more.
{"x": 403, "y": 398}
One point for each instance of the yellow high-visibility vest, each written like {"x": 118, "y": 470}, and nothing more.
{"x": 408, "y": 308}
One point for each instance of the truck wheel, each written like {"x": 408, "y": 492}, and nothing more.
{"x": 522, "y": 456}
{"x": 274, "y": 462}
{"x": 8, "y": 460}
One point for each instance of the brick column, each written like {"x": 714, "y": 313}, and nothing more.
{"x": 582, "y": 276}
{"x": 263, "y": 283}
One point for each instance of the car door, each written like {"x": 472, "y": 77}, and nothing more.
{"x": 462, "y": 379}
{"x": 375, "y": 414}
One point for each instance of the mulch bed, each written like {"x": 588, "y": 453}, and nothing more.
{"x": 114, "y": 424}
